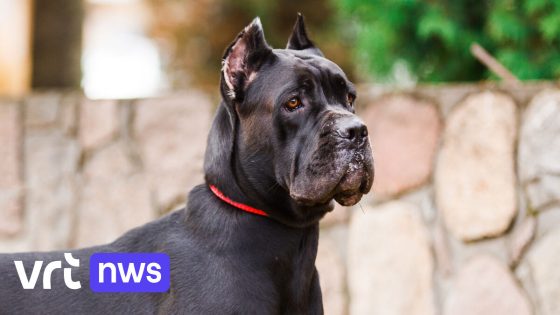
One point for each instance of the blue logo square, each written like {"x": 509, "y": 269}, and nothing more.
{"x": 129, "y": 272}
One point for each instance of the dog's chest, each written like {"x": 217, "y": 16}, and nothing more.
{"x": 293, "y": 273}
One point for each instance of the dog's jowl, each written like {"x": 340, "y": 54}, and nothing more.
{"x": 285, "y": 144}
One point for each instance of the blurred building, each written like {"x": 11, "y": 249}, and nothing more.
{"x": 119, "y": 59}
{"x": 140, "y": 48}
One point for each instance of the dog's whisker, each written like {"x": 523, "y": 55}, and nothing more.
{"x": 359, "y": 204}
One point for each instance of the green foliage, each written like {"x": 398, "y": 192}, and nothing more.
{"x": 433, "y": 38}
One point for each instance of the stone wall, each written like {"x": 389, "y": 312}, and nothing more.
{"x": 464, "y": 218}
{"x": 77, "y": 172}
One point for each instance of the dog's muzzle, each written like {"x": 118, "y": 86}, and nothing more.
{"x": 356, "y": 181}
{"x": 341, "y": 166}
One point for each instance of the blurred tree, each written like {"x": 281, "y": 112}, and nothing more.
{"x": 194, "y": 34}
{"x": 57, "y": 43}
{"x": 432, "y": 38}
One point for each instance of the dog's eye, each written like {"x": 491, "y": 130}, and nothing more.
{"x": 350, "y": 99}
{"x": 293, "y": 104}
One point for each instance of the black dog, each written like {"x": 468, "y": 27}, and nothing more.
{"x": 284, "y": 143}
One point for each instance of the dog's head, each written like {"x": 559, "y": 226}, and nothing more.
{"x": 286, "y": 128}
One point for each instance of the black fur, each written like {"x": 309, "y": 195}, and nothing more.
{"x": 290, "y": 163}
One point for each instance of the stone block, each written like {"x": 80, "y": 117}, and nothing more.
{"x": 390, "y": 266}
{"x": 115, "y": 198}
{"x": 11, "y": 205}
{"x": 475, "y": 174}
{"x": 484, "y": 286}
{"x": 171, "y": 135}
{"x": 539, "y": 150}
{"x": 404, "y": 134}
{"x": 98, "y": 122}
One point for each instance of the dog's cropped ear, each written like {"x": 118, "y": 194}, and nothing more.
{"x": 242, "y": 59}
{"x": 299, "y": 39}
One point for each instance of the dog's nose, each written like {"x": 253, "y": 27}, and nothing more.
{"x": 351, "y": 128}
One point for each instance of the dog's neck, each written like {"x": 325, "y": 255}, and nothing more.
{"x": 219, "y": 162}
{"x": 286, "y": 254}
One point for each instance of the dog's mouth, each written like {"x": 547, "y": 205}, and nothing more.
{"x": 354, "y": 183}
{"x": 346, "y": 185}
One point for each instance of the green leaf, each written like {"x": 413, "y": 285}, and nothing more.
{"x": 532, "y": 6}
{"x": 435, "y": 24}
{"x": 549, "y": 26}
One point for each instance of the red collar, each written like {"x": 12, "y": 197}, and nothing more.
{"x": 238, "y": 205}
